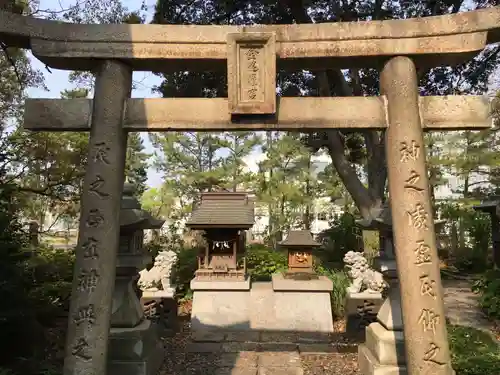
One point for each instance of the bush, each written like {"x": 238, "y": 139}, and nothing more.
{"x": 262, "y": 262}
{"x": 51, "y": 271}
{"x": 18, "y": 325}
{"x": 343, "y": 236}
{"x": 474, "y": 229}
{"x": 183, "y": 271}
{"x": 338, "y": 295}
{"x": 473, "y": 352}
{"x": 488, "y": 287}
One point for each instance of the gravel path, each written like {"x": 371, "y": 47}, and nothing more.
{"x": 462, "y": 307}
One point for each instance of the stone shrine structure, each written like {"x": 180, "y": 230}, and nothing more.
{"x": 221, "y": 286}
{"x": 223, "y": 218}
{"x": 303, "y": 296}
{"x": 492, "y": 207}
{"x": 251, "y": 54}
{"x": 300, "y": 245}
{"x": 134, "y": 344}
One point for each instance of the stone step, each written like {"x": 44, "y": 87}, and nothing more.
{"x": 265, "y": 336}
{"x": 235, "y": 347}
{"x": 259, "y": 371}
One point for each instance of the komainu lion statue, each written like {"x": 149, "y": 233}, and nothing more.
{"x": 158, "y": 277}
{"x": 363, "y": 277}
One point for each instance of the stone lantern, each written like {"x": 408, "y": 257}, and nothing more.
{"x": 134, "y": 341}
{"x": 300, "y": 245}
{"x": 492, "y": 207}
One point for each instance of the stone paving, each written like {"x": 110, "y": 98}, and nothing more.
{"x": 462, "y": 306}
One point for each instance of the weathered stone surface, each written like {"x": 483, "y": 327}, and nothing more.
{"x": 313, "y": 337}
{"x": 236, "y": 347}
{"x": 204, "y": 347}
{"x": 158, "y": 277}
{"x": 135, "y": 351}
{"x": 278, "y": 359}
{"x": 217, "y": 309}
{"x": 390, "y": 314}
{"x": 368, "y": 365}
{"x": 237, "y": 360}
{"x": 280, "y": 371}
{"x": 364, "y": 278}
{"x": 182, "y": 114}
{"x": 251, "y": 73}
{"x": 235, "y": 371}
{"x": 144, "y": 45}
{"x": 317, "y": 348}
{"x": 262, "y": 309}
{"x": 426, "y": 343}
{"x": 252, "y": 336}
{"x": 278, "y": 346}
{"x": 281, "y": 284}
{"x": 386, "y": 346}
{"x": 361, "y": 309}
{"x": 94, "y": 277}
{"x": 207, "y": 336}
{"x": 279, "y": 337}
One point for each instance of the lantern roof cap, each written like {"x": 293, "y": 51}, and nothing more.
{"x": 132, "y": 216}
{"x": 381, "y": 219}
{"x": 299, "y": 238}
{"x": 490, "y": 204}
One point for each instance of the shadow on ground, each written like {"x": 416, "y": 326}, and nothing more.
{"x": 239, "y": 350}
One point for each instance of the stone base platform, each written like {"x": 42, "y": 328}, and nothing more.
{"x": 383, "y": 352}
{"x": 282, "y": 305}
{"x": 135, "y": 351}
{"x": 267, "y": 341}
{"x": 361, "y": 310}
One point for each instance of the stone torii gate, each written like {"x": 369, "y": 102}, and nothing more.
{"x": 399, "y": 48}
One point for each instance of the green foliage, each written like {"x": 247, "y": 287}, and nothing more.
{"x": 17, "y": 316}
{"x": 52, "y": 274}
{"x": 184, "y": 270}
{"x": 262, "y": 262}
{"x": 473, "y": 352}
{"x": 488, "y": 287}
{"x": 343, "y": 236}
{"x": 338, "y": 295}
{"x": 474, "y": 236}
{"x": 136, "y": 166}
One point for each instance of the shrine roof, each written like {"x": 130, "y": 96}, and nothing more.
{"x": 223, "y": 210}
{"x": 299, "y": 238}
{"x": 489, "y": 205}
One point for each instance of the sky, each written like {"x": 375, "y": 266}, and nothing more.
{"x": 58, "y": 80}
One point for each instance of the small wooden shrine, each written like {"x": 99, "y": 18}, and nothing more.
{"x": 224, "y": 217}
{"x": 300, "y": 245}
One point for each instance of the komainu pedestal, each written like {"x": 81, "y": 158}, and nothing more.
{"x": 383, "y": 352}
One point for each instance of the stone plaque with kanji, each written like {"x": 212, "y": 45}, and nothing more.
{"x": 251, "y": 73}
